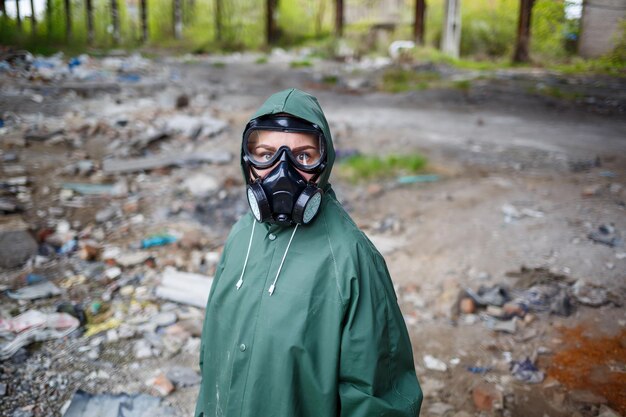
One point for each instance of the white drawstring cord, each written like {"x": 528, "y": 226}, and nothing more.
{"x": 273, "y": 286}
{"x": 240, "y": 282}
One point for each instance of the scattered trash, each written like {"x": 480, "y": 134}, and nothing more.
{"x": 32, "y": 292}
{"x": 590, "y": 295}
{"x": 183, "y": 377}
{"x": 434, "y": 364}
{"x": 512, "y": 213}
{"x": 120, "y": 166}
{"x": 96, "y": 189}
{"x": 161, "y": 385}
{"x": 116, "y": 405}
{"x": 157, "y": 240}
{"x": 507, "y": 326}
{"x": 487, "y": 397}
{"x": 479, "y": 369}
{"x": 607, "y": 235}
{"x": 396, "y": 48}
{"x": 414, "y": 179}
{"x": 527, "y": 372}
{"x": 34, "y": 326}
{"x": 184, "y": 287}
{"x": 496, "y": 295}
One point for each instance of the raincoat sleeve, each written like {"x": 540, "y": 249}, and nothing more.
{"x": 200, "y": 401}
{"x": 376, "y": 370}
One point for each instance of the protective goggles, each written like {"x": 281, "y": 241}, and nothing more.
{"x": 262, "y": 149}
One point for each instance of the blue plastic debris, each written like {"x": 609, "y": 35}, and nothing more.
{"x": 526, "y": 371}
{"x": 413, "y": 179}
{"x": 478, "y": 369}
{"x": 129, "y": 78}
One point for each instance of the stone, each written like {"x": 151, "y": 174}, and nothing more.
{"x": 435, "y": 364}
{"x": 487, "y": 397}
{"x": 161, "y": 385}
{"x": 467, "y": 306}
{"x": 586, "y": 397}
{"x": 439, "y": 409}
{"x": 608, "y": 412}
{"x": 183, "y": 377}
{"x": 16, "y": 244}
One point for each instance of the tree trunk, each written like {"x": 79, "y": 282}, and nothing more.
{"x": 218, "y": 20}
{"x": 33, "y": 18}
{"x": 144, "y": 20}
{"x": 178, "y": 19}
{"x": 319, "y": 18}
{"x": 3, "y": 8}
{"x": 90, "y": 35}
{"x": 17, "y": 14}
{"x": 68, "y": 20}
{"x": 523, "y": 31}
{"x": 271, "y": 21}
{"x": 339, "y": 18}
{"x": 49, "y": 17}
{"x": 418, "y": 27}
{"x": 115, "y": 21}
{"x": 451, "y": 39}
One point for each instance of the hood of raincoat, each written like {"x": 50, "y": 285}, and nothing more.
{"x": 303, "y": 105}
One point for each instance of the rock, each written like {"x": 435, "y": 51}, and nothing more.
{"x": 486, "y": 397}
{"x": 201, "y": 185}
{"x": 127, "y": 260}
{"x": 430, "y": 387}
{"x": 589, "y": 294}
{"x": 161, "y": 385}
{"x": 591, "y": 190}
{"x": 467, "y": 306}
{"x": 182, "y": 101}
{"x": 439, "y": 409}
{"x": 142, "y": 349}
{"x": 586, "y": 397}
{"x": 462, "y": 414}
{"x": 16, "y": 244}
{"x": 183, "y": 377}
{"x": 434, "y": 364}
{"x": 164, "y": 319}
{"x": 3, "y": 390}
{"x": 608, "y": 412}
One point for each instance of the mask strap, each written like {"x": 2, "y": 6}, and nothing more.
{"x": 273, "y": 286}
{"x": 240, "y": 282}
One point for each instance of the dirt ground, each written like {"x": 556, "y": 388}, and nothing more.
{"x": 495, "y": 146}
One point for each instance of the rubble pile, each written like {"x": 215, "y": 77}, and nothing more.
{"x": 119, "y": 183}
{"x": 109, "y": 237}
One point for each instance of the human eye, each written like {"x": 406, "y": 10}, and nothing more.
{"x": 303, "y": 157}
{"x": 263, "y": 155}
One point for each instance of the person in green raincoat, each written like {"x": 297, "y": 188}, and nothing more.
{"x": 302, "y": 318}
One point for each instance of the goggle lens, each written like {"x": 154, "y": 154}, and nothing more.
{"x": 263, "y": 148}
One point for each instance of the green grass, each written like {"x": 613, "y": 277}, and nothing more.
{"x": 397, "y": 80}
{"x": 364, "y": 167}
{"x": 463, "y": 85}
{"x": 330, "y": 79}
{"x": 304, "y": 63}
{"x": 261, "y": 60}
{"x": 556, "y": 92}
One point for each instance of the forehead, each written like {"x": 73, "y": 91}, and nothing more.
{"x": 278, "y": 138}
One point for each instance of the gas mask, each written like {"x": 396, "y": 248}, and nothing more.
{"x": 283, "y": 196}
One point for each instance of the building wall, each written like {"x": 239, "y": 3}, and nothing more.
{"x": 600, "y": 26}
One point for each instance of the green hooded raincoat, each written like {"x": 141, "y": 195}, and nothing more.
{"x": 330, "y": 341}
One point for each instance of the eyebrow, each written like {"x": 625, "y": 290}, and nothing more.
{"x": 272, "y": 148}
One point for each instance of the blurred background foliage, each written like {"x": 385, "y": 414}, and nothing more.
{"x": 488, "y": 29}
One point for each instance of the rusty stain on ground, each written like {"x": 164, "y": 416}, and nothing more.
{"x": 596, "y": 364}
